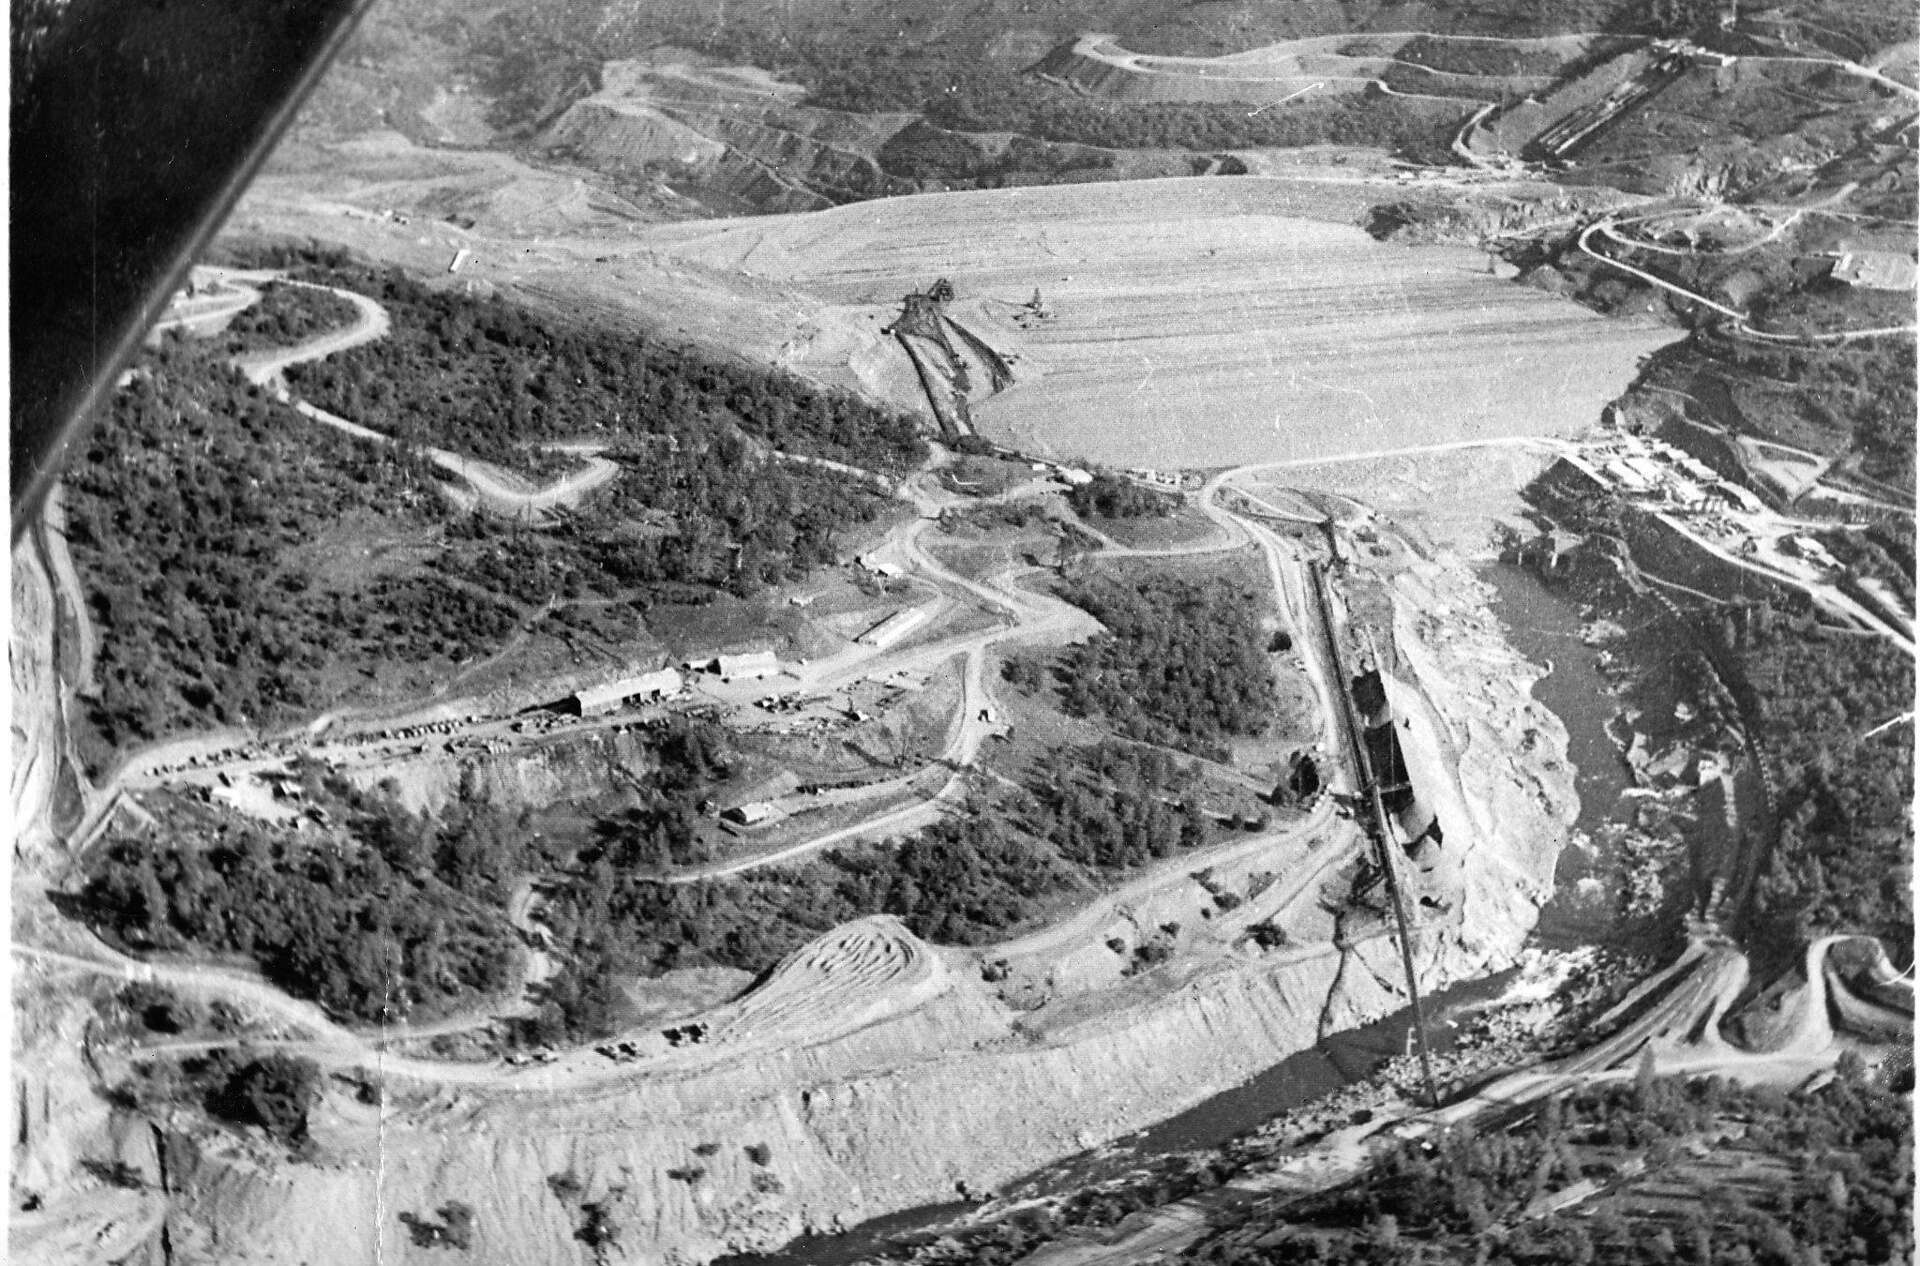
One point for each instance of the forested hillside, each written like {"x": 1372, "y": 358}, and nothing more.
{"x": 1182, "y": 663}
{"x": 490, "y": 379}
{"x": 384, "y": 914}
{"x": 1844, "y": 858}
{"x": 188, "y": 515}
{"x": 287, "y": 314}
{"x": 211, "y": 525}
{"x": 966, "y": 95}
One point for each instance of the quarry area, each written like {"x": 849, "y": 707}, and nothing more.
{"x": 796, "y": 653}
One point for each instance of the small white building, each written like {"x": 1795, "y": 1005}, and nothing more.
{"x": 893, "y": 627}
{"x": 1074, "y": 478}
{"x": 752, "y": 666}
{"x": 756, "y": 814}
{"x": 880, "y": 567}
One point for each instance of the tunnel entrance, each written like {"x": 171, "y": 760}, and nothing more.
{"x": 1302, "y": 785}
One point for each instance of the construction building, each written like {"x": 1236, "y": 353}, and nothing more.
{"x": 1875, "y": 270}
{"x": 663, "y": 683}
{"x": 894, "y": 627}
{"x": 753, "y": 666}
{"x": 757, "y": 813}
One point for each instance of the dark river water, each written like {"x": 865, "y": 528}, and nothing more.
{"x": 1544, "y": 625}
{"x": 1293, "y": 1083}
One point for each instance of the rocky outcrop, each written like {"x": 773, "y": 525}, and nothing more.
{"x": 1489, "y": 758}
{"x": 33, "y": 735}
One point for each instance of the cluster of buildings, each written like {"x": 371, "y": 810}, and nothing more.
{"x": 1640, "y": 467}
{"x": 1171, "y": 480}
{"x": 666, "y": 683}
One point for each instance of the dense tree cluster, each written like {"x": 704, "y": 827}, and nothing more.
{"x": 186, "y": 513}
{"x": 195, "y": 509}
{"x": 382, "y": 917}
{"x": 274, "y": 1091}
{"x": 1181, "y": 661}
{"x": 1883, "y": 552}
{"x": 1009, "y": 103}
{"x": 287, "y": 315}
{"x": 1478, "y": 57}
{"x": 1854, "y": 401}
{"x": 488, "y": 378}
{"x": 1869, "y": 396}
{"x": 1115, "y": 806}
{"x": 1464, "y": 1196}
{"x": 1117, "y": 497}
{"x": 695, "y": 520}
{"x": 1843, "y": 859}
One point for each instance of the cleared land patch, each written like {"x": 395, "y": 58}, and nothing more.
{"x": 1196, "y": 324}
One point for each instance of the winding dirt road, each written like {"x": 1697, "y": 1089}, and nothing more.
{"x": 1699, "y": 988}
{"x": 1680, "y": 1028}
{"x": 1740, "y": 319}
{"x": 497, "y": 489}
{"x": 1027, "y": 616}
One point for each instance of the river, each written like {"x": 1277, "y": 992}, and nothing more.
{"x": 1544, "y": 624}
{"x": 1291, "y": 1084}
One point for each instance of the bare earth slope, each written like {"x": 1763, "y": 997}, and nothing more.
{"x": 1196, "y": 322}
